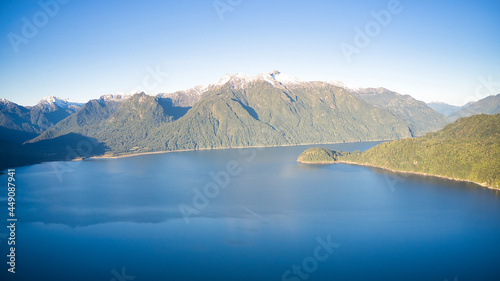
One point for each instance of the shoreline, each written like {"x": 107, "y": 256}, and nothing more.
{"x": 222, "y": 148}
{"x": 317, "y": 162}
{"x": 408, "y": 172}
{"x": 187, "y": 150}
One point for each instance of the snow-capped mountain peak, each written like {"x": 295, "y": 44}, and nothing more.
{"x": 199, "y": 90}
{"x": 240, "y": 77}
{"x": 283, "y": 78}
{"x": 271, "y": 77}
{"x": 53, "y": 100}
{"x": 116, "y": 97}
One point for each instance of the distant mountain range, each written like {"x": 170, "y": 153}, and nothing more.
{"x": 444, "y": 108}
{"x": 238, "y": 110}
{"x": 488, "y": 105}
{"x": 422, "y": 118}
{"x": 38, "y": 118}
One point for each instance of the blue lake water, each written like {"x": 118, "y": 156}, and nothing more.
{"x": 246, "y": 214}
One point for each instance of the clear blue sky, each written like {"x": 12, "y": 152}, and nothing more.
{"x": 432, "y": 50}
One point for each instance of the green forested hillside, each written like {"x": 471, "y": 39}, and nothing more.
{"x": 468, "y": 149}
{"x": 121, "y": 125}
{"x": 318, "y": 155}
{"x": 420, "y": 116}
{"x": 261, "y": 113}
{"x": 240, "y": 110}
{"x": 232, "y": 114}
{"x": 488, "y": 105}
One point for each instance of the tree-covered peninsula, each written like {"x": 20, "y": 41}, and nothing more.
{"x": 468, "y": 149}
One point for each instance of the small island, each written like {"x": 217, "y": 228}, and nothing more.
{"x": 318, "y": 155}
{"x": 466, "y": 150}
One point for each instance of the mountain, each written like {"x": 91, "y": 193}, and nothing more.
{"x": 35, "y": 119}
{"x": 51, "y": 110}
{"x": 275, "y": 109}
{"x": 16, "y": 117}
{"x": 120, "y": 122}
{"x": 488, "y": 105}
{"x": 422, "y": 118}
{"x": 185, "y": 98}
{"x": 238, "y": 110}
{"x": 444, "y": 108}
{"x": 468, "y": 149}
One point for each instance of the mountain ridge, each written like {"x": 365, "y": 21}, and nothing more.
{"x": 245, "y": 111}
{"x": 239, "y": 110}
{"x": 488, "y": 105}
{"x": 37, "y": 118}
{"x": 418, "y": 114}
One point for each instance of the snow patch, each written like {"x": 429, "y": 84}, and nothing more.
{"x": 284, "y": 78}
{"x": 198, "y": 90}
{"x": 241, "y": 79}
{"x": 53, "y": 100}
{"x": 117, "y": 98}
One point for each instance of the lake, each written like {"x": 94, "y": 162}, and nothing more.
{"x": 247, "y": 214}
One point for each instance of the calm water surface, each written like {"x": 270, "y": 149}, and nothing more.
{"x": 248, "y": 214}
